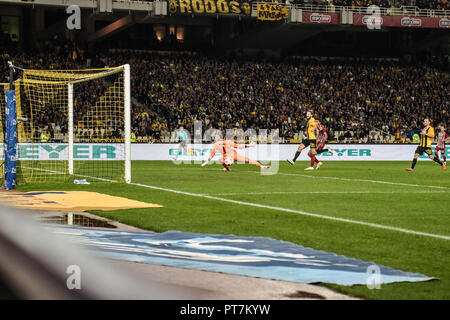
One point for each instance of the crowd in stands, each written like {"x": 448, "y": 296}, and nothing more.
{"x": 54, "y": 54}
{"x": 351, "y": 98}
{"x": 354, "y": 99}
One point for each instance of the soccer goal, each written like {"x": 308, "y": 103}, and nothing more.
{"x": 70, "y": 124}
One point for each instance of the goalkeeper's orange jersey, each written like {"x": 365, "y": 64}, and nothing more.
{"x": 225, "y": 147}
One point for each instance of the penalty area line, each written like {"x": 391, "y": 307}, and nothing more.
{"x": 263, "y": 206}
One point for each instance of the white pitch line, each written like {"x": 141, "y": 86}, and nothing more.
{"x": 258, "y": 205}
{"x": 358, "y": 180}
{"x": 330, "y": 178}
{"x": 322, "y": 192}
{"x": 75, "y": 174}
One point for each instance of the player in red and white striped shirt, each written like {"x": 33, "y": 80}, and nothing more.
{"x": 442, "y": 139}
{"x": 322, "y": 137}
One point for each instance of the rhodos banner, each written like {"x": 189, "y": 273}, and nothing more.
{"x": 210, "y": 7}
{"x": 271, "y": 11}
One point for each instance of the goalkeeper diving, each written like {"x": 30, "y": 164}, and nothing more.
{"x": 230, "y": 155}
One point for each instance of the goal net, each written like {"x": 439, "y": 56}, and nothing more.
{"x": 72, "y": 125}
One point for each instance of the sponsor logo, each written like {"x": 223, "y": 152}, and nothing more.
{"x": 444, "y": 23}
{"x": 350, "y": 153}
{"x": 60, "y": 152}
{"x": 320, "y": 18}
{"x": 425, "y": 156}
{"x": 372, "y": 20}
{"x": 411, "y": 22}
{"x": 53, "y": 152}
{"x": 199, "y": 151}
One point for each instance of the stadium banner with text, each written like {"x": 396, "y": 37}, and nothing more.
{"x": 238, "y": 7}
{"x": 271, "y": 11}
{"x": 59, "y": 151}
{"x": 401, "y": 21}
{"x": 268, "y": 152}
{"x": 320, "y": 18}
{"x": 168, "y": 151}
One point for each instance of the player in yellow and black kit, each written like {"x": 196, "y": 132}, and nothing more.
{"x": 426, "y": 137}
{"x": 311, "y": 127}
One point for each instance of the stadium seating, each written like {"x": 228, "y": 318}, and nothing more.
{"x": 170, "y": 90}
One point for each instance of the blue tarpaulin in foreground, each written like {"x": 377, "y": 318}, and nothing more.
{"x": 250, "y": 256}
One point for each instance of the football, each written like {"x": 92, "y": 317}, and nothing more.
{"x": 229, "y": 161}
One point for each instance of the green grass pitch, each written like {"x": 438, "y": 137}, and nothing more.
{"x": 373, "y": 211}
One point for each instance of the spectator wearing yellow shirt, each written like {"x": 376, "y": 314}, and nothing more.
{"x": 45, "y": 137}
{"x": 133, "y": 135}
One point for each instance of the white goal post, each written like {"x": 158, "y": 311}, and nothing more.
{"x": 77, "y": 123}
{"x": 127, "y": 122}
